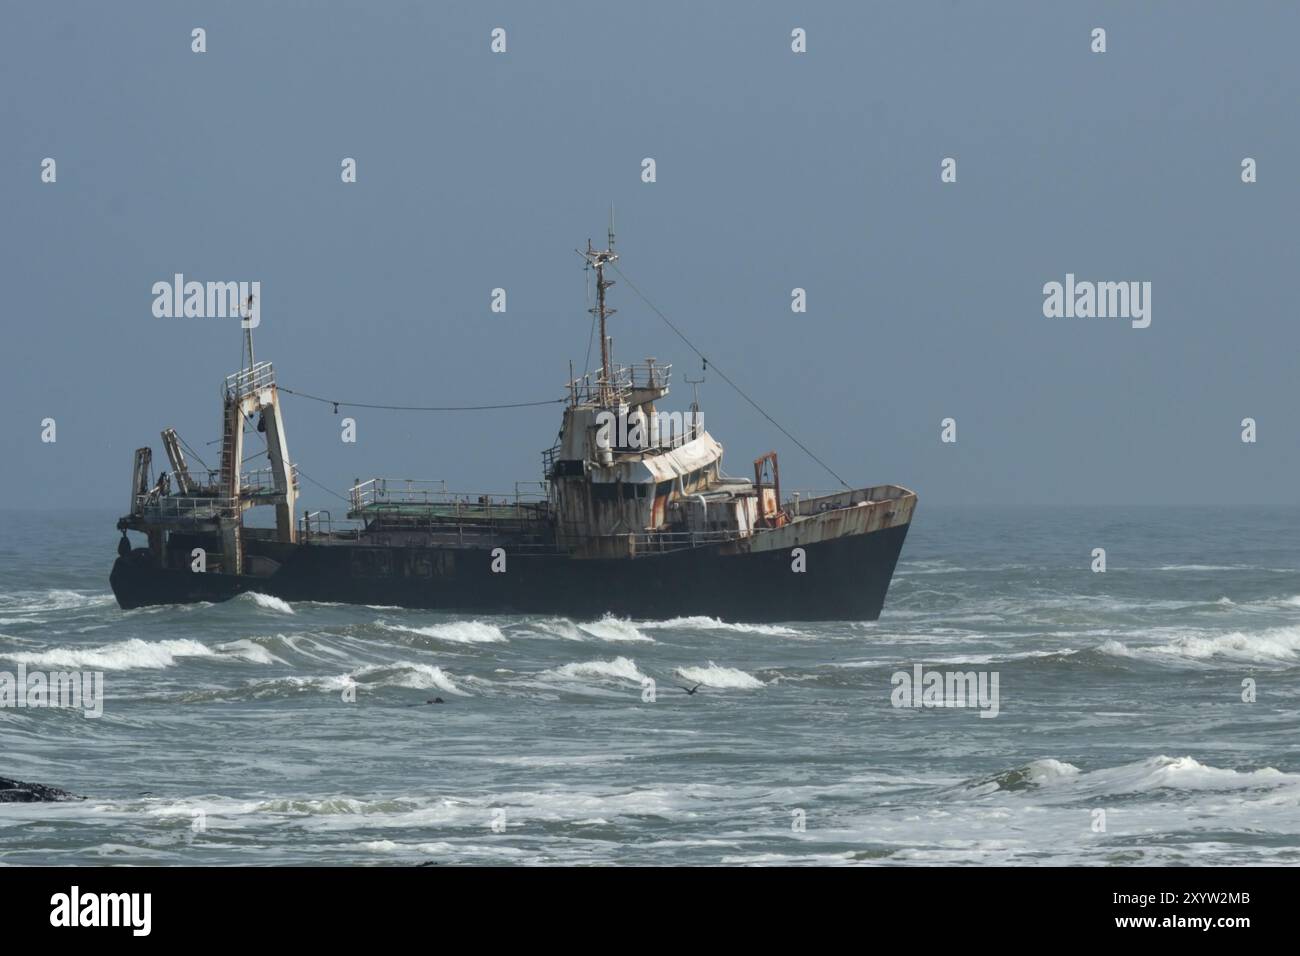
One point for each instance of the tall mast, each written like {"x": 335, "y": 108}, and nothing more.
{"x": 596, "y": 259}
{"x": 248, "y": 333}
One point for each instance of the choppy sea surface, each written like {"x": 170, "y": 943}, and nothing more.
{"x": 259, "y": 732}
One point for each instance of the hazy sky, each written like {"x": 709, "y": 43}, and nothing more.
{"x": 775, "y": 170}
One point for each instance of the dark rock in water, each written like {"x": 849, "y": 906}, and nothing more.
{"x": 15, "y": 791}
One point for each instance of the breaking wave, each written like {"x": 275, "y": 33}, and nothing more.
{"x": 995, "y": 658}
{"x": 620, "y": 668}
{"x": 608, "y": 628}
{"x": 458, "y": 632}
{"x": 1280, "y": 645}
{"x": 1034, "y": 774}
{"x": 268, "y": 602}
{"x": 1154, "y": 773}
{"x": 700, "y": 623}
{"x": 404, "y": 674}
{"x": 729, "y": 678}
{"x": 123, "y": 655}
{"x": 1185, "y": 773}
{"x": 249, "y": 650}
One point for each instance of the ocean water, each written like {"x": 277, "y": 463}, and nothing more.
{"x": 1121, "y": 734}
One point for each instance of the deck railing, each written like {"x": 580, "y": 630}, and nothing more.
{"x": 549, "y": 457}
{"x": 622, "y": 381}
{"x": 652, "y": 541}
{"x": 811, "y": 502}
{"x": 411, "y": 494}
{"x": 316, "y": 521}
{"x": 262, "y": 481}
{"x": 670, "y": 436}
{"x": 258, "y": 481}
{"x": 179, "y": 508}
{"x": 248, "y": 381}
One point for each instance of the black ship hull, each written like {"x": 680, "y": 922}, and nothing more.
{"x": 844, "y": 578}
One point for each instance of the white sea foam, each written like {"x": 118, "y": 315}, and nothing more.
{"x": 700, "y": 623}
{"x": 308, "y": 646}
{"x": 1186, "y": 773}
{"x": 457, "y": 632}
{"x": 1279, "y": 645}
{"x": 996, "y": 658}
{"x": 1143, "y": 776}
{"x": 1182, "y": 773}
{"x": 55, "y": 599}
{"x": 560, "y": 627}
{"x": 620, "y": 668}
{"x": 1049, "y": 770}
{"x": 250, "y": 651}
{"x": 729, "y": 678}
{"x": 608, "y": 628}
{"x": 407, "y": 674}
{"x": 325, "y": 807}
{"x": 269, "y": 602}
{"x": 123, "y": 655}
{"x": 566, "y": 805}
{"x": 1206, "y": 567}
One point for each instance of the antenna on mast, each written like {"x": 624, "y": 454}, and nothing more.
{"x": 695, "y": 384}
{"x": 245, "y": 315}
{"x": 596, "y": 259}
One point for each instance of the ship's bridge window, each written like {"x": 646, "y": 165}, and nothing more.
{"x": 613, "y": 491}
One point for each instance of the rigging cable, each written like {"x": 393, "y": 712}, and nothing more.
{"x": 186, "y": 446}
{"x": 298, "y": 469}
{"x": 421, "y": 408}
{"x": 320, "y": 486}
{"x": 555, "y": 401}
{"x": 723, "y": 375}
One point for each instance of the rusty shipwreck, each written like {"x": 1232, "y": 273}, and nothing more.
{"x": 634, "y": 517}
